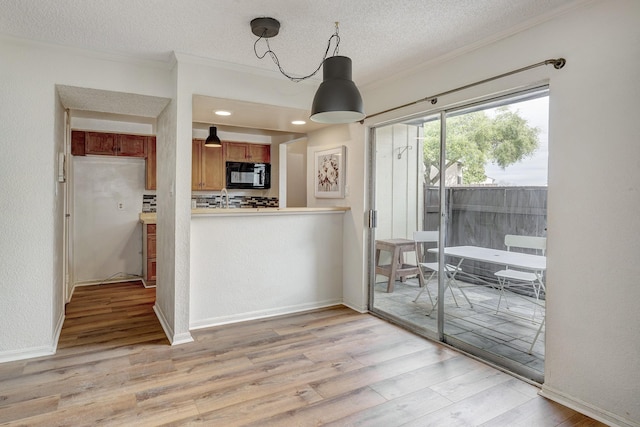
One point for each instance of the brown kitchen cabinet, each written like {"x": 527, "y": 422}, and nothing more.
{"x": 108, "y": 144}
{"x": 246, "y": 152}
{"x": 101, "y": 143}
{"x": 132, "y": 145}
{"x": 207, "y": 167}
{"x": 149, "y": 253}
{"x": 150, "y": 164}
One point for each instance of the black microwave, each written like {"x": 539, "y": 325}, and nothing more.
{"x": 248, "y": 175}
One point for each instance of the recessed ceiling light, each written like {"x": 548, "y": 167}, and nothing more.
{"x": 298, "y": 122}
{"x": 223, "y": 113}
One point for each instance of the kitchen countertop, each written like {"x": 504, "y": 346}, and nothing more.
{"x": 150, "y": 217}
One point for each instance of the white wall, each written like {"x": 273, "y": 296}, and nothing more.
{"x": 31, "y": 285}
{"x": 354, "y": 278}
{"x": 592, "y": 343}
{"x": 398, "y": 193}
{"x": 297, "y": 174}
{"x": 107, "y": 239}
{"x": 252, "y": 266}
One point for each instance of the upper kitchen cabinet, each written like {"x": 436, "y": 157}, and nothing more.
{"x": 108, "y": 144}
{"x": 150, "y": 164}
{"x": 207, "y": 167}
{"x": 132, "y": 145}
{"x": 245, "y": 152}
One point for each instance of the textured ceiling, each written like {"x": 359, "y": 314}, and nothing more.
{"x": 382, "y": 37}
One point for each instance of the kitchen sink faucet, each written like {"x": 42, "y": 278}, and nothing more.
{"x": 224, "y": 202}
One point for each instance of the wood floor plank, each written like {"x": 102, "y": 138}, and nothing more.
{"x": 397, "y": 411}
{"x": 256, "y": 410}
{"x": 326, "y": 410}
{"x": 114, "y": 366}
{"x": 28, "y": 407}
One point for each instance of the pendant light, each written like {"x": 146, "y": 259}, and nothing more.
{"x": 212, "y": 139}
{"x": 337, "y": 100}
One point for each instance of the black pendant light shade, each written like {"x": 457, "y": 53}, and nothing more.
{"x": 212, "y": 139}
{"x": 337, "y": 99}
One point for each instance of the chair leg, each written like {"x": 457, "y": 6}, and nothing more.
{"x": 501, "y": 283}
{"x": 425, "y": 287}
{"x": 462, "y": 291}
{"x": 452, "y": 294}
{"x": 537, "y": 334}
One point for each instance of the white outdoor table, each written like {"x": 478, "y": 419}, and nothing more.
{"x": 530, "y": 262}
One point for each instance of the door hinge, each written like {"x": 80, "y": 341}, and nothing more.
{"x": 372, "y": 218}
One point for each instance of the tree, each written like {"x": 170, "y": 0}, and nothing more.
{"x": 475, "y": 138}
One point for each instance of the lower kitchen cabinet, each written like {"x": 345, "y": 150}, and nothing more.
{"x": 149, "y": 253}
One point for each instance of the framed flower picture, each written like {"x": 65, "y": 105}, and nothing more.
{"x": 330, "y": 172}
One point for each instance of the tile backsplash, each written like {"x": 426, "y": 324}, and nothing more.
{"x": 201, "y": 201}
{"x": 148, "y": 203}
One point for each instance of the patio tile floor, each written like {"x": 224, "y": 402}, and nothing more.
{"x": 507, "y": 333}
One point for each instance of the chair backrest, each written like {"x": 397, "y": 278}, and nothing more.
{"x": 425, "y": 236}
{"x": 421, "y": 237}
{"x": 525, "y": 242}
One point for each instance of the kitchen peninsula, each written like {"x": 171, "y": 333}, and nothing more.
{"x": 248, "y": 263}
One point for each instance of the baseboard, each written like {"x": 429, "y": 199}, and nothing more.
{"x": 262, "y": 314}
{"x": 108, "y": 281}
{"x": 359, "y": 310}
{"x": 586, "y": 408}
{"x": 146, "y": 285}
{"x": 168, "y": 330}
{"x": 27, "y": 353}
{"x": 58, "y": 331}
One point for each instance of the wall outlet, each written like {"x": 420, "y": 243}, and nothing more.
{"x": 120, "y": 206}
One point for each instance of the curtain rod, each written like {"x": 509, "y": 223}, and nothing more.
{"x": 557, "y": 64}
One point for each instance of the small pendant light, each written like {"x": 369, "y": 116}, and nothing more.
{"x": 212, "y": 139}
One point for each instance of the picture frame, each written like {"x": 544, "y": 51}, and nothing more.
{"x": 330, "y": 173}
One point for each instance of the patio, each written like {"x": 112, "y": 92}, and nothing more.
{"x": 508, "y": 333}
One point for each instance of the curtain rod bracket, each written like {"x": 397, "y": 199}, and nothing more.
{"x": 558, "y": 63}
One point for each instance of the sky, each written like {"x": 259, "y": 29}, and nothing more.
{"x": 531, "y": 170}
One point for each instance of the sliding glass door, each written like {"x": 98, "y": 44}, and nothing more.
{"x": 485, "y": 198}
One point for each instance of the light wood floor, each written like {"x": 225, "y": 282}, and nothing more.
{"x": 327, "y": 367}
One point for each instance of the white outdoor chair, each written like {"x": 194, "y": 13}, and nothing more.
{"x": 511, "y": 277}
{"x": 420, "y": 238}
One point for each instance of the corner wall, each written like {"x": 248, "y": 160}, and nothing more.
{"x": 354, "y": 276}
{"x": 31, "y": 239}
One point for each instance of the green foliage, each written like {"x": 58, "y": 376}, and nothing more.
{"x": 473, "y": 139}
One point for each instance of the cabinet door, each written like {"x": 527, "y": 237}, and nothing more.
{"x": 235, "y": 151}
{"x": 150, "y": 163}
{"x": 259, "y": 153}
{"x": 132, "y": 145}
{"x": 78, "y": 142}
{"x": 196, "y": 147}
{"x": 151, "y": 246}
{"x": 211, "y": 168}
{"x": 101, "y": 143}
{"x": 151, "y": 269}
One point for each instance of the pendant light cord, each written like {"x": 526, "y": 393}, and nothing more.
{"x": 276, "y": 61}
